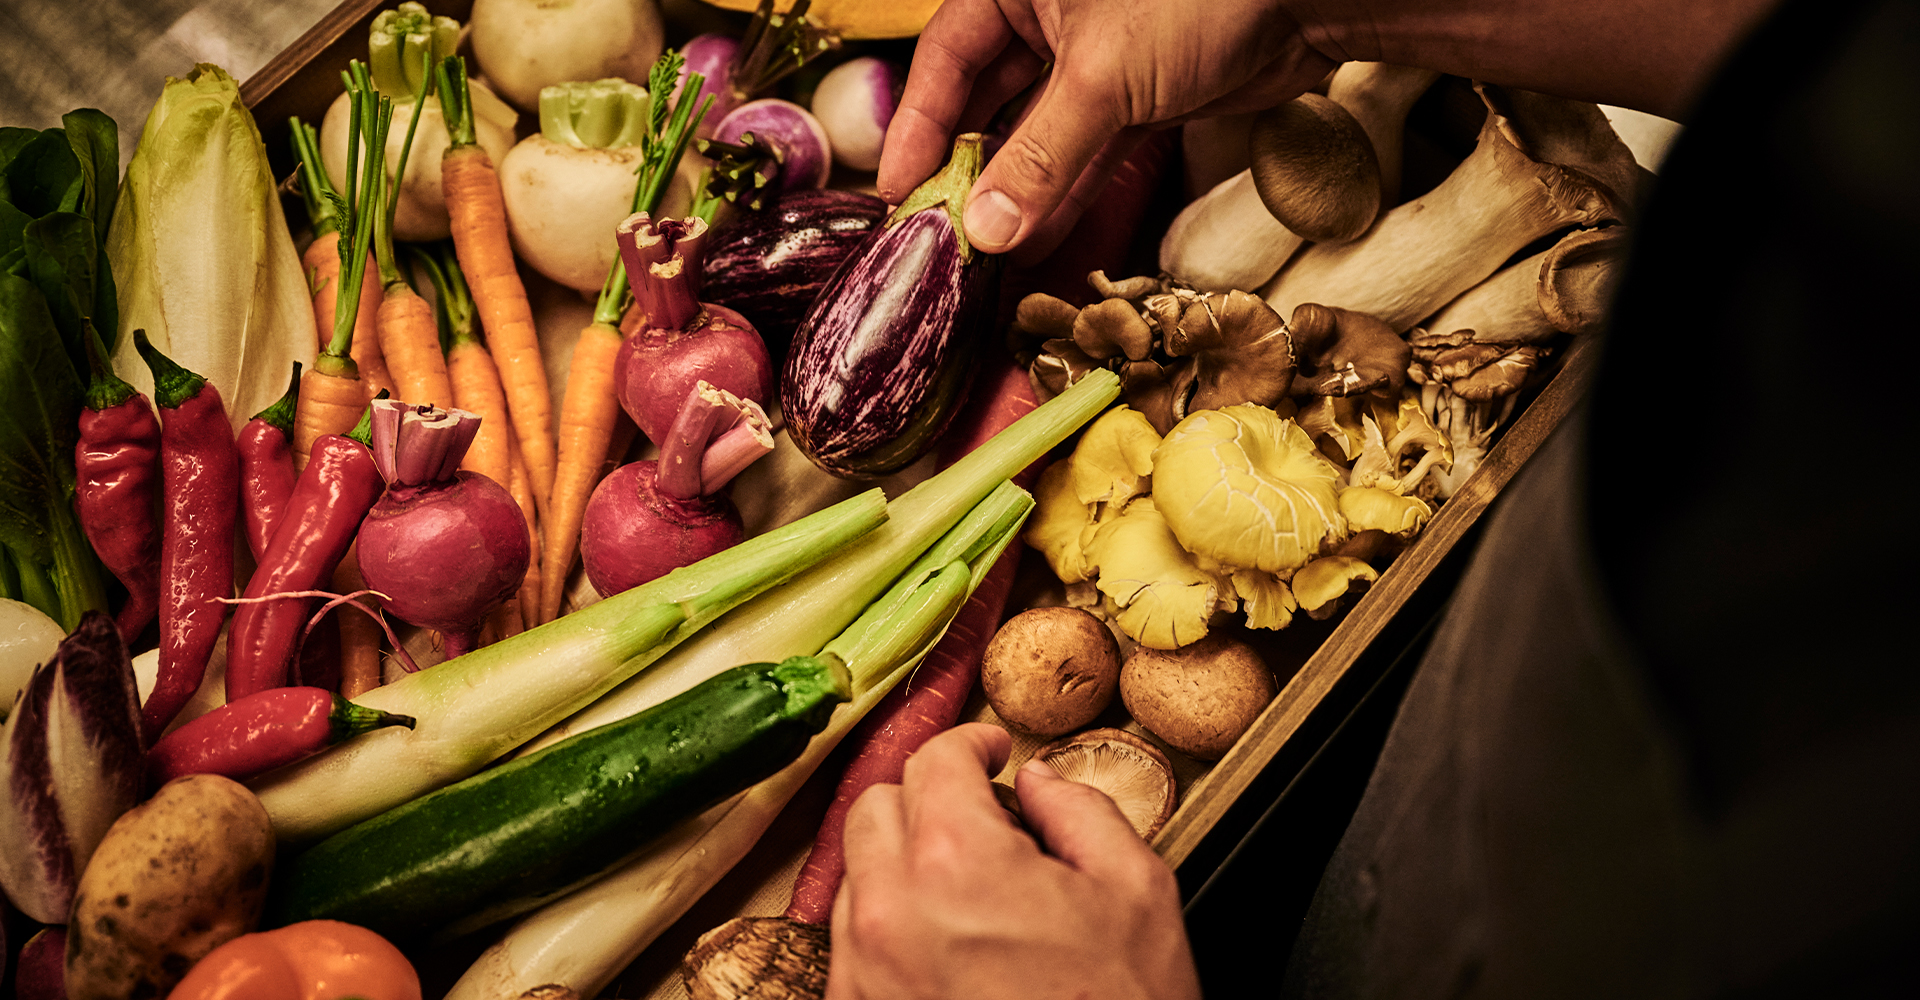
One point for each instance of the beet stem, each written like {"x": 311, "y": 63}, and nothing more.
{"x": 707, "y": 418}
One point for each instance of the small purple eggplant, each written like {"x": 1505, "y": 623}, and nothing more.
{"x": 71, "y": 761}
{"x": 883, "y": 358}
{"x": 770, "y": 265}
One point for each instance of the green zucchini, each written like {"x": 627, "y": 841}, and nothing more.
{"x": 508, "y": 839}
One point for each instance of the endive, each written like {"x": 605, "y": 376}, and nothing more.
{"x": 201, "y": 251}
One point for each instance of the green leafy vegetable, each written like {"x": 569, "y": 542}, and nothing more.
{"x": 56, "y": 187}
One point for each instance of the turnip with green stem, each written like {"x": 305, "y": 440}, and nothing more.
{"x": 567, "y": 186}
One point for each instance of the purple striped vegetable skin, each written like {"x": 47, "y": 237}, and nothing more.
{"x": 883, "y": 358}
{"x": 770, "y": 265}
{"x": 71, "y": 761}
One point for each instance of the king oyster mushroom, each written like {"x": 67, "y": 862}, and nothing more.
{"x": 1562, "y": 289}
{"x": 1379, "y": 95}
{"x": 1130, "y": 770}
{"x": 1313, "y": 177}
{"x": 759, "y": 958}
{"x": 1541, "y": 164}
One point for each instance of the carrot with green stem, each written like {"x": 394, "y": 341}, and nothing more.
{"x": 322, "y": 262}
{"x": 333, "y": 393}
{"x": 409, "y": 336}
{"x": 591, "y": 409}
{"x": 479, "y": 220}
{"x": 470, "y": 369}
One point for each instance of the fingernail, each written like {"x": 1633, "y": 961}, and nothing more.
{"x": 992, "y": 218}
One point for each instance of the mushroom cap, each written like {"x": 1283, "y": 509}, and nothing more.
{"x": 780, "y": 957}
{"x": 1372, "y": 508}
{"x": 1162, "y": 598}
{"x": 1243, "y": 488}
{"x": 1241, "y": 351}
{"x": 1327, "y": 579}
{"x": 1315, "y": 169}
{"x": 1199, "y": 698}
{"x": 1050, "y": 670}
{"x": 1344, "y": 352}
{"x": 1133, "y": 773}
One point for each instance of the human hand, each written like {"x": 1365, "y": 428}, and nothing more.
{"x": 945, "y": 896}
{"x": 1117, "y": 68}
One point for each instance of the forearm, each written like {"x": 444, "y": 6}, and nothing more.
{"x": 1651, "y": 55}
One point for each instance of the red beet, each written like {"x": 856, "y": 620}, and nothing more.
{"x": 683, "y": 340}
{"x": 445, "y": 546}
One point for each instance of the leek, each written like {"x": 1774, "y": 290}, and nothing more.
{"x": 582, "y": 940}
{"x": 477, "y": 707}
{"x": 823, "y": 601}
{"x": 201, "y": 252}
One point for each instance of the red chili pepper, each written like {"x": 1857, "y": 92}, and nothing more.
{"x": 266, "y": 467}
{"x": 335, "y": 491}
{"x": 262, "y": 731}
{"x": 118, "y": 487}
{"x": 200, "y": 501}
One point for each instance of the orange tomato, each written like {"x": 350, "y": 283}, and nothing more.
{"x": 311, "y": 960}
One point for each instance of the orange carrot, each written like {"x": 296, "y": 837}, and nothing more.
{"x": 527, "y": 602}
{"x": 332, "y": 398}
{"x": 470, "y": 370}
{"x": 359, "y": 635}
{"x": 586, "y": 427}
{"x": 478, "y": 217}
{"x": 410, "y": 340}
{"x": 480, "y": 237}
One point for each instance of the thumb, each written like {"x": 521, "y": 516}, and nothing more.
{"x": 1077, "y": 823}
{"x": 1036, "y": 167}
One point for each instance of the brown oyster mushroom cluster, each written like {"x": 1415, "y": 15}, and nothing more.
{"x": 1179, "y": 351}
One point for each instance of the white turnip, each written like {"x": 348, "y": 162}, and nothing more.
{"x": 446, "y": 547}
{"x": 525, "y": 45}
{"x": 568, "y": 186}
{"x": 854, "y": 103}
{"x": 402, "y": 44}
{"x": 683, "y": 340}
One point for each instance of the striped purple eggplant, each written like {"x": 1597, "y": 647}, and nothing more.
{"x": 71, "y": 761}
{"x": 770, "y": 265}
{"x": 883, "y": 358}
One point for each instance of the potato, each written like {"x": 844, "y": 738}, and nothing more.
{"x": 174, "y": 878}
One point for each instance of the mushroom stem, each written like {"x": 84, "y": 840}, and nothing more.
{"x": 1226, "y": 239}
{"x": 1379, "y": 95}
{"x": 1542, "y": 164}
{"x": 1562, "y": 289}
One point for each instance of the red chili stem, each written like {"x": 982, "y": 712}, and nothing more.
{"x": 117, "y": 488}
{"x": 200, "y": 498}
{"x": 267, "y": 476}
{"x": 332, "y": 497}
{"x": 263, "y": 731}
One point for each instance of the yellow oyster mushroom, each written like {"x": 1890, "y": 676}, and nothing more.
{"x": 1058, "y": 520}
{"x": 1321, "y": 583}
{"x": 1114, "y": 457}
{"x": 1241, "y": 487}
{"x": 1161, "y": 597}
{"x": 1375, "y": 508}
{"x": 1265, "y": 598}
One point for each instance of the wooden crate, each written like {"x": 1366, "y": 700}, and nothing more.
{"x": 1219, "y": 802}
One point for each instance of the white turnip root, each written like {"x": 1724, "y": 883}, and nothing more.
{"x": 445, "y": 546}
{"x": 525, "y": 45}
{"x": 683, "y": 340}
{"x": 567, "y": 187}
{"x": 854, "y": 103}
{"x": 421, "y": 215}
{"x": 649, "y": 518}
